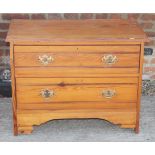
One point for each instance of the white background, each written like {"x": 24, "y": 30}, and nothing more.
{"x": 73, "y": 6}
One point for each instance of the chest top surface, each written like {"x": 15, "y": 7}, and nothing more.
{"x": 74, "y": 30}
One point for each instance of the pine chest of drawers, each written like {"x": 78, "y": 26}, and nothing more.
{"x": 65, "y": 69}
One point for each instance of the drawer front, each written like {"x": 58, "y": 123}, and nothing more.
{"x": 113, "y": 60}
{"x": 117, "y": 93}
{"x": 50, "y": 92}
{"x": 75, "y": 61}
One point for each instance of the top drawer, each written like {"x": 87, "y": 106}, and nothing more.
{"x": 76, "y": 61}
{"x": 95, "y": 56}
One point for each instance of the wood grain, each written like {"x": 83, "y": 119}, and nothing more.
{"x": 13, "y": 82}
{"x": 71, "y": 71}
{"x": 139, "y": 89}
{"x": 77, "y": 75}
{"x": 130, "y": 42}
{"x": 76, "y": 59}
{"x": 76, "y": 105}
{"x": 69, "y": 93}
{"x": 112, "y": 48}
{"x": 124, "y": 117}
{"x": 74, "y": 30}
{"x": 64, "y": 81}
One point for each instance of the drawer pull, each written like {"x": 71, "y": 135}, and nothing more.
{"x": 108, "y": 93}
{"x": 47, "y": 93}
{"x": 45, "y": 59}
{"x": 109, "y": 59}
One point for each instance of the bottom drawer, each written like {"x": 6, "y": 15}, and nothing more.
{"x": 95, "y": 93}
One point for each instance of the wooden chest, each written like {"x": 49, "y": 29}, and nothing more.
{"x": 65, "y": 69}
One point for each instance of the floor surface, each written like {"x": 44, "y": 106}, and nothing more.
{"x": 86, "y": 130}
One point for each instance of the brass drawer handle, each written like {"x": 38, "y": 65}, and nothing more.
{"x": 46, "y": 93}
{"x": 108, "y": 93}
{"x": 45, "y": 59}
{"x": 110, "y": 59}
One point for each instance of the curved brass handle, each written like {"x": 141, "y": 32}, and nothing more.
{"x": 46, "y": 93}
{"x": 109, "y": 59}
{"x": 108, "y": 93}
{"x": 45, "y": 59}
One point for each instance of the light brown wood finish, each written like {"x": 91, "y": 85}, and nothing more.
{"x": 71, "y": 71}
{"x": 88, "y": 93}
{"x": 76, "y": 105}
{"x": 125, "y": 118}
{"x": 65, "y": 84}
{"x": 77, "y": 74}
{"x": 112, "y": 48}
{"x": 78, "y": 43}
{"x": 139, "y": 89}
{"x": 76, "y": 59}
{"x": 82, "y": 31}
{"x": 14, "y": 101}
{"x": 64, "y": 81}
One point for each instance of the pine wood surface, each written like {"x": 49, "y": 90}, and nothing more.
{"x": 77, "y": 74}
{"x": 113, "y": 47}
{"x": 74, "y": 30}
{"x": 69, "y": 93}
{"x": 76, "y": 59}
